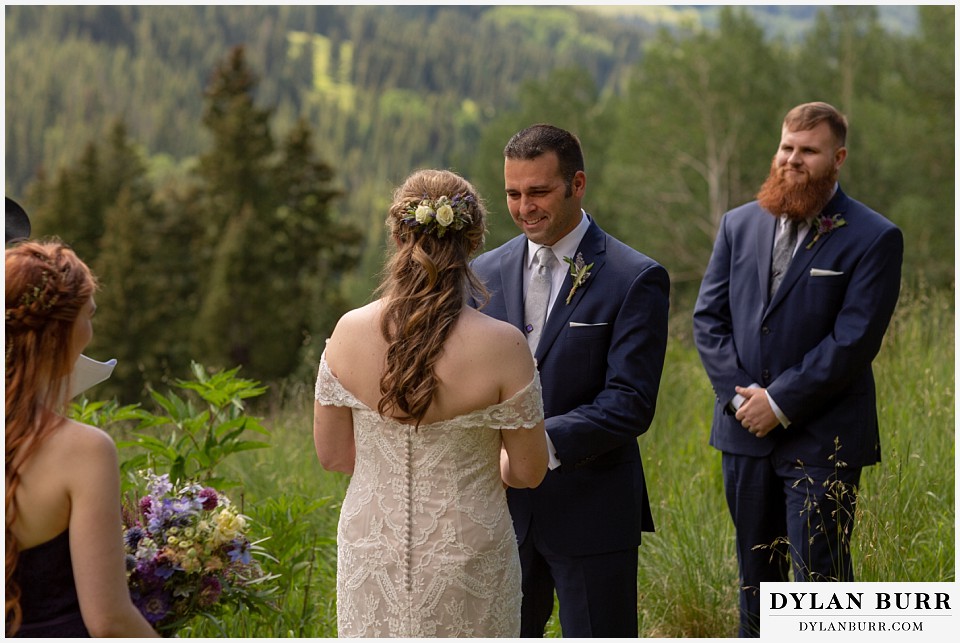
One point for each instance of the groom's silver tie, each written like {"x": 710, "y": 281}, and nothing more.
{"x": 782, "y": 254}
{"x": 538, "y": 296}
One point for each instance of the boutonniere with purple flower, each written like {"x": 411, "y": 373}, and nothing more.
{"x": 579, "y": 270}
{"x": 826, "y": 224}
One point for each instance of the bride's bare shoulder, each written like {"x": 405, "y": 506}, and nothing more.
{"x": 360, "y": 317}
{"x": 358, "y": 324}
{"x": 356, "y": 337}
{"x": 492, "y": 326}
{"x": 497, "y": 339}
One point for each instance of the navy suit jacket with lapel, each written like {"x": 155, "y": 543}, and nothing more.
{"x": 813, "y": 344}
{"x": 600, "y": 359}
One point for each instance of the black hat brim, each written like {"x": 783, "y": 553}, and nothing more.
{"x": 16, "y": 222}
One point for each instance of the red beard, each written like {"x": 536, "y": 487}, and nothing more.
{"x": 796, "y": 200}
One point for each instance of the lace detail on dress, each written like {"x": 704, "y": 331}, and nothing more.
{"x": 425, "y": 543}
{"x": 328, "y": 390}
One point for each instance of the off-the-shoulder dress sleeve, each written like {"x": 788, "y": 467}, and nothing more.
{"x": 522, "y": 411}
{"x": 329, "y": 391}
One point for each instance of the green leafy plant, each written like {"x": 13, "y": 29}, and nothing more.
{"x": 190, "y": 434}
{"x": 199, "y": 435}
{"x": 104, "y": 413}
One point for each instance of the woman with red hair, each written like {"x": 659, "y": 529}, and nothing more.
{"x": 65, "y": 573}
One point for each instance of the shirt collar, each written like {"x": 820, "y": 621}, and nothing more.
{"x": 565, "y": 247}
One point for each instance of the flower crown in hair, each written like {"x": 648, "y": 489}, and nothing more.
{"x": 438, "y": 215}
{"x": 38, "y": 294}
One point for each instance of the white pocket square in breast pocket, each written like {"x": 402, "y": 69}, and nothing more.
{"x": 582, "y": 325}
{"x": 819, "y": 272}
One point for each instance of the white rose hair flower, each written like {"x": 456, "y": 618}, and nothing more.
{"x": 437, "y": 216}
{"x": 424, "y": 213}
{"x": 445, "y": 215}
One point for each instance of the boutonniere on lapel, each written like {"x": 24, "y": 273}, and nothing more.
{"x": 579, "y": 271}
{"x": 826, "y": 224}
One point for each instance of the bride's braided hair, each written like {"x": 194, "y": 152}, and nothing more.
{"x": 427, "y": 281}
{"x": 46, "y": 286}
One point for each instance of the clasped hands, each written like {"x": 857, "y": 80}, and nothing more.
{"x": 755, "y": 414}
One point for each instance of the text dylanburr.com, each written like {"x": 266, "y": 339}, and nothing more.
{"x": 793, "y": 610}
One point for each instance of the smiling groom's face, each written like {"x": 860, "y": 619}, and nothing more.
{"x": 540, "y": 202}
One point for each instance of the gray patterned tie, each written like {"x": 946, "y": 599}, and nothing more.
{"x": 782, "y": 254}
{"x": 538, "y": 296}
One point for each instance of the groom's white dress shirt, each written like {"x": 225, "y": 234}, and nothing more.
{"x": 565, "y": 247}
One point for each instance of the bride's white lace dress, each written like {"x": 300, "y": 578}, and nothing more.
{"x": 425, "y": 544}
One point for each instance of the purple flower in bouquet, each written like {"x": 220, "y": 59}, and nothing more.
{"x": 239, "y": 552}
{"x": 210, "y": 590}
{"x": 132, "y": 537}
{"x": 144, "y": 578}
{"x": 181, "y": 508}
{"x": 159, "y": 486}
{"x": 155, "y": 606}
{"x": 208, "y": 498}
{"x": 171, "y": 512}
{"x": 164, "y": 570}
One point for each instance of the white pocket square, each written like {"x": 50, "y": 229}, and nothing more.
{"x": 582, "y": 325}
{"x": 819, "y": 272}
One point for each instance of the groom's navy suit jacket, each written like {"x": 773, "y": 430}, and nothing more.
{"x": 812, "y": 345}
{"x": 600, "y": 359}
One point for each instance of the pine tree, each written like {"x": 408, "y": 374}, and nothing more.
{"x": 320, "y": 249}
{"x": 234, "y": 168}
{"x": 71, "y": 206}
{"x": 235, "y": 195}
{"x": 275, "y": 256}
{"x": 122, "y": 328}
{"x": 135, "y": 322}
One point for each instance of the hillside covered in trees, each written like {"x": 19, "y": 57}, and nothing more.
{"x": 226, "y": 169}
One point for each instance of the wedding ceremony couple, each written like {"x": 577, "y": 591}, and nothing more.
{"x": 487, "y": 405}
{"x": 536, "y": 366}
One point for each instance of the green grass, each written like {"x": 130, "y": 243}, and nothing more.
{"x": 688, "y": 575}
{"x": 907, "y": 514}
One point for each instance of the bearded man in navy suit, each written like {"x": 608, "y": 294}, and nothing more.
{"x": 787, "y": 330}
{"x": 600, "y": 352}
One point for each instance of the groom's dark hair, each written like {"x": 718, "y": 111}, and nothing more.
{"x": 536, "y": 140}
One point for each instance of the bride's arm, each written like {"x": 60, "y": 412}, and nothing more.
{"x": 333, "y": 437}
{"x": 523, "y": 458}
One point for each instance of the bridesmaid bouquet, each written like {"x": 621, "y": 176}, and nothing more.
{"x": 188, "y": 555}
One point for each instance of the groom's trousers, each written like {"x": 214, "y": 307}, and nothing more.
{"x": 597, "y": 593}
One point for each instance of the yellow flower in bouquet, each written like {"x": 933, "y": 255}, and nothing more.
{"x": 228, "y": 526}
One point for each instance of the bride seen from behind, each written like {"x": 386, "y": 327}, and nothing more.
{"x": 433, "y": 407}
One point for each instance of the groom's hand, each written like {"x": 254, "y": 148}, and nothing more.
{"x": 755, "y": 414}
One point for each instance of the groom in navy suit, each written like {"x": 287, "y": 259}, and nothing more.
{"x": 595, "y": 315}
{"x": 792, "y": 310}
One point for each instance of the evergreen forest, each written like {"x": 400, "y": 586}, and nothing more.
{"x": 226, "y": 170}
